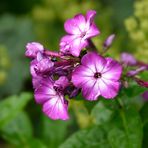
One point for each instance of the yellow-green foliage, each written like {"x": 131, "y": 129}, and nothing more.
{"x": 4, "y": 64}
{"x": 137, "y": 26}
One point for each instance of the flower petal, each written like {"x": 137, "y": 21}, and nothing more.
{"x": 92, "y": 31}
{"x": 112, "y": 70}
{"x": 81, "y": 22}
{"x": 90, "y": 15}
{"x": 108, "y": 89}
{"x": 44, "y": 92}
{"x": 56, "y": 108}
{"x": 93, "y": 61}
{"x": 81, "y": 75}
{"x": 75, "y": 25}
{"x": 90, "y": 90}
{"x": 62, "y": 82}
{"x": 77, "y": 45}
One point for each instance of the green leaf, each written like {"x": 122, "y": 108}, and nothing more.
{"x": 100, "y": 113}
{"x": 124, "y": 131}
{"x": 34, "y": 143}
{"x": 89, "y": 138}
{"x": 11, "y": 106}
{"x": 53, "y": 132}
{"x": 126, "y": 127}
{"x": 15, "y": 32}
{"x": 19, "y": 130}
{"x": 144, "y": 113}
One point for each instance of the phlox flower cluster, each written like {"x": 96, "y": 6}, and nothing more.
{"x": 59, "y": 76}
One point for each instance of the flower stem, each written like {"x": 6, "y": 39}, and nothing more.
{"x": 91, "y": 45}
{"x": 52, "y": 53}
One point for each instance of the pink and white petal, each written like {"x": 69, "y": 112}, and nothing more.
{"x": 81, "y": 75}
{"x": 112, "y": 70}
{"x": 56, "y": 108}
{"x": 43, "y": 93}
{"x": 90, "y": 90}
{"x": 90, "y": 16}
{"x": 77, "y": 45}
{"x": 92, "y": 31}
{"x": 81, "y": 22}
{"x": 108, "y": 89}
{"x": 93, "y": 61}
{"x": 71, "y": 26}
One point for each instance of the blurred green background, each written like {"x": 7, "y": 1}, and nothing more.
{"x": 22, "y": 124}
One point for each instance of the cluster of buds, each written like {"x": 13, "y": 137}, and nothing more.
{"x": 59, "y": 76}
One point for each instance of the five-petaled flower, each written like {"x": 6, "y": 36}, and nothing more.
{"x": 97, "y": 76}
{"x": 79, "y": 29}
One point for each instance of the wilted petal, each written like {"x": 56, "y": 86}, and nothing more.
{"x": 108, "y": 89}
{"x": 33, "y": 48}
{"x": 56, "y": 108}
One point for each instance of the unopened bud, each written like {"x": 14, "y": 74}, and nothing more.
{"x": 108, "y": 41}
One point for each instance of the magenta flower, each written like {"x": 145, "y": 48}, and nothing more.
{"x": 145, "y": 96}
{"x": 50, "y": 95}
{"x": 79, "y": 29}
{"x": 128, "y": 59}
{"x": 33, "y": 48}
{"x": 97, "y": 76}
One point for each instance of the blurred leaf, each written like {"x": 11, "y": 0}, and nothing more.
{"x": 14, "y": 34}
{"x": 34, "y": 143}
{"x": 11, "y": 106}
{"x": 124, "y": 131}
{"x": 19, "y": 130}
{"x": 100, "y": 113}
{"x": 53, "y": 132}
{"x": 144, "y": 113}
{"x": 91, "y": 138}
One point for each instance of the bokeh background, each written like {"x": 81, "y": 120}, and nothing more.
{"x": 22, "y": 124}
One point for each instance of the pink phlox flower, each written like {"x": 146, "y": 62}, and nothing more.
{"x": 97, "y": 76}
{"x": 50, "y": 95}
{"x": 79, "y": 29}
